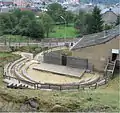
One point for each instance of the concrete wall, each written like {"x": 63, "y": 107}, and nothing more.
{"x": 98, "y": 55}
{"x": 52, "y": 58}
{"x": 77, "y": 62}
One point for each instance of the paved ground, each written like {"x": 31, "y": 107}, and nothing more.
{"x": 58, "y": 69}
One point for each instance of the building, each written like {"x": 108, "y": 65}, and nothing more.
{"x": 98, "y": 48}
{"x": 109, "y": 17}
{"x": 6, "y": 2}
{"x": 22, "y": 3}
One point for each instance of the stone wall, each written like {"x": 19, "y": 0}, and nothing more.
{"x": 56, "y": 58}
{"x": 77, "y": 62}
{"x": 52, "y": 58}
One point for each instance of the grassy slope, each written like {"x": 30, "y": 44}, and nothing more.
{"x": 60, "y": 32}
{"x": 104, "y": 98}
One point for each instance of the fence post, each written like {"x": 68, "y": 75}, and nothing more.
{"x": 37, "y": 86}
{"x": 95, "y": 85}
{"x": 9, "y": 77}
{"x": 83, "y": 88}
{"x": 34, "y": 86}
{"x": 49, "y": 86}
{"x": 60, "y": 87}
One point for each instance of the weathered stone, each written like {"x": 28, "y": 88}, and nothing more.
{"x": 30, "y": 105}
{"x": 58, "y": 108}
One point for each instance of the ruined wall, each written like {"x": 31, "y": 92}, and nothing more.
{"x": 77, "y": 62}
{"x": 52, "y": 58}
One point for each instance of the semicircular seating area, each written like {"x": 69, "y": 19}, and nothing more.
{"x": 17, "y": 76}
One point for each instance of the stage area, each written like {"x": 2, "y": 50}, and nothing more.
{"x": 61, "y": 70}
{"x": 52, "y": 77}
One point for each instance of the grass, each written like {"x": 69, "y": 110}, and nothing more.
{"x": 4, "y": 54}
{"x": 14, "y": 38}
{"x": 102, "y": 99}
{"x": 59, "y": 32}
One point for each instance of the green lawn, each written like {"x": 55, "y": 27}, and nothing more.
{"x": 2, "y": 54}
{"x": 59, "y": 32}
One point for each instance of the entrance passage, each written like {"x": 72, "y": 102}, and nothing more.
{"x": 114, "y": 56}
{"x": 64, "y": 60}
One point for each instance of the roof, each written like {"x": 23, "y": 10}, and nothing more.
{"x": 116, "y": 10}
{"x": 97, "y": 38}
{"x": 110, "y": 11}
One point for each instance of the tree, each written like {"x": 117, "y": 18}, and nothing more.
{"x": 107, "y": 27}
{"x": 97, "y": 20}
{"x": 69, "y": 17}
{"x": 47, "y": 22}
{"x": 55, "y": 10}
{"x": 89, "y": 23}
{"x": 21, "y": 23}
{"x": 80, "y": 22}
{"x": 36, "y": 30}
{"x": 7, "y": 22}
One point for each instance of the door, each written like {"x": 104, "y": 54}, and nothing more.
{"x": 115, "y": 53}
{"x": 114, "y": 56}
{"x": 64, "y": 60}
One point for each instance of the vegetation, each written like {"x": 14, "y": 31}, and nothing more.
{"x": 14, "y": 38}
{"x": 97, "y": 25}
{"x": 59, "y": 32}
{"x": 47, "y": 22}
{"x": 89, "y": 23}
{"x": 21, "y": 23}
{"x": 56, "y": 11}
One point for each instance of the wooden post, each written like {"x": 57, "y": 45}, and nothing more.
{"x": 37, "y": 86}
{"x": 78, "y": 86}
{"x": 95, "y": 85}
{"x": 60, "y": 87}
{"x": 34, "y": 86}
{"x": 49, "y": 86}
{"x": 83, "y": 87}
{"x": 9, "y": 77}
